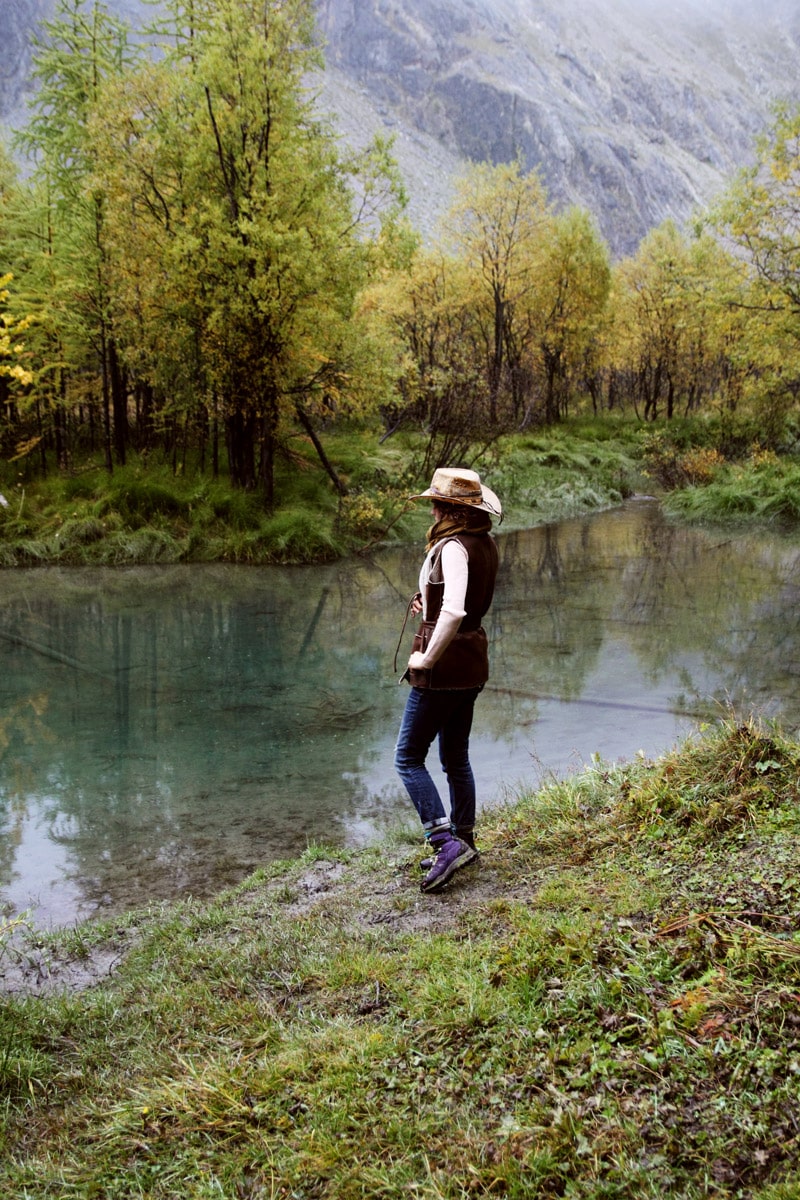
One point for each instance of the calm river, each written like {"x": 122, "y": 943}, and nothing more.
{"x": 163, "y": 731}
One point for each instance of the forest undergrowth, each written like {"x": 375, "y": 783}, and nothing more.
{"x": 151, "y": 511}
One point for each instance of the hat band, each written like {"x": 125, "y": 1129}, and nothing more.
{"x": 467, "y": 496}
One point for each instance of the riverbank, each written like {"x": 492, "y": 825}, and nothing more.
{"x": 605, "y": 1006}
{"x": 151, "y": 511}
{"x": 147, "y": 513}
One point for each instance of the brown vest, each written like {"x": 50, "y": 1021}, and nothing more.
{"x": 465, "y": 662}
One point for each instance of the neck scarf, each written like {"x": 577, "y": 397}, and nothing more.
{"x": 459, "y": 521}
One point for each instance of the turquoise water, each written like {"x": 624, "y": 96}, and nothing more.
{"x": 163, "y": 731}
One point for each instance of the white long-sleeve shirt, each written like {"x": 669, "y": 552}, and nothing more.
{"x": 455, "y": 571}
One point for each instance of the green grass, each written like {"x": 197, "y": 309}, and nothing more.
{"x": 565, "y": 471}
{"x": 764, "y": 489}
{"x": 605, "y": 1007}
{"x": 144, "y": 513}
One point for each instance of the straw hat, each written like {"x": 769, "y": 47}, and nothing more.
{"x": 458, "y": 485}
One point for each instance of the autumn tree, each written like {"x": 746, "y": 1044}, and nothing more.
{"x": 242, "y": 234}
{"x": 427, "y": 315}
{"x": 497, "y": 225}
{"x": 760, "y": 218}
{"x": 670, "y": 322}
{"x": 79, "y": 51}
{"x": 11, "y": 348}
{"x": 567, "y": 305}
{"x": 495, "y": 327}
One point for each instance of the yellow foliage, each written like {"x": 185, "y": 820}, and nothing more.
{"x": 11, "y": 350}
{"x": 763, "y": 458}
{"x": 23, "y": 449}
{"x": 701, "y": 464}
{"x": 360, "y": 514}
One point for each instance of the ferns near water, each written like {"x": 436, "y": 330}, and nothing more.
{"x": 764, "y": 489}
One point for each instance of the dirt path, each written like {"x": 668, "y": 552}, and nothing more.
{"x": 355, "y": 893}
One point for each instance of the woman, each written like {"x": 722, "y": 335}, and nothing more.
{"x": 449, "y": 664}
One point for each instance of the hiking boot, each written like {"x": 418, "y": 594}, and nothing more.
{"x": 450, "y": 855}
{"x": 426, "y": 863}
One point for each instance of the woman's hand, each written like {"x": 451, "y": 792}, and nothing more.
{"x": 416, "y": 660}
{"x": 416, "y": 604}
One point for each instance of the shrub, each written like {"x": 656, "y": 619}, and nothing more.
{"x": 139, "y": 501}
{"x": 81, "y": 531}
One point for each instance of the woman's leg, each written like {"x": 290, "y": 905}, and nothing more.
{"x": 454, "y": 757}
{"x": 421, "y": 724}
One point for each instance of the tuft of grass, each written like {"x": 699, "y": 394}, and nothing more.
{"x": 764, "y": 488}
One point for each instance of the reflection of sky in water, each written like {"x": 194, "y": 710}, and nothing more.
{"x": 41, "y": 877}
{"x": 165, "y": 731}
{"x": 613, "y": 718}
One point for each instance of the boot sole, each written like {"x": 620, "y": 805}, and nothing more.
{"x": 463, "y": 860}
{"x": 425, "y": 864}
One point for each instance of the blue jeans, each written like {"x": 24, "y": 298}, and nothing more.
{"x": 446, "y": 714}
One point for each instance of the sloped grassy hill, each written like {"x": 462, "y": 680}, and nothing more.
{"x": 606, "y": 1006}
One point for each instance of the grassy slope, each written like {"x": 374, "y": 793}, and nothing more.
{"x": 606, "y": 1006}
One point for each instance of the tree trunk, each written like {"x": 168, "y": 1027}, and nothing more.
{"x": 42, "y": 442}
{"x": 305, "y": 421}
{"x": 496, "y": 369}
{"x": 215, "y": 444}
{"x": 106, "y": 406}
{"x": 60, "y": 422}
{"x": 267, "y": 440}
{"x": 550, "y": 399}
{"x": 241, "y": 451}
{"x": 119, "y": 402}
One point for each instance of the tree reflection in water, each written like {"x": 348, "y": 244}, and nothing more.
{"x": 166, "y": 730}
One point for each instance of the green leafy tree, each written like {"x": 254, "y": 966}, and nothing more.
{"x": 249, "y": 240}
{"x": 498, "y": 224}
{"x": 760, "y": 217}
{"x": 67, "y": 258}
{"x": 761, "y": 213}
{"x": 567, "y": 305}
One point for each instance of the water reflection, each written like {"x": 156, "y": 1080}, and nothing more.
{"x": 164, "y": 731}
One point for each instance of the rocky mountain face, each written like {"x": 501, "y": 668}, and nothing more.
{"x": 20, "y": 22}
{"x": 18, "y": 18}
{"x": 634, "y": 109}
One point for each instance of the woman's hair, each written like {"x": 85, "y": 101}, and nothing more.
{"x": 455, "y": 519}
{"x": 466, "y": 514}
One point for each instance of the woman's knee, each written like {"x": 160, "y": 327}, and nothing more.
{"x": 407, "y": 758}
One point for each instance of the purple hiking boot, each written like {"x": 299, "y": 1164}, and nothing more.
{"x": 467, "y": 836}
{"x": 450, "y": 854}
